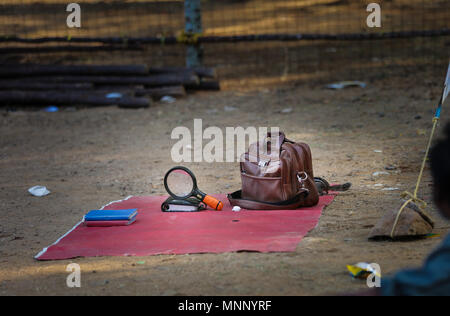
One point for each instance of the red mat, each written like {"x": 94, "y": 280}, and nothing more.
{"x": 155, "y": 232}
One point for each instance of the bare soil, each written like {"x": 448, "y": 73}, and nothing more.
{"x": 90, "y": 156}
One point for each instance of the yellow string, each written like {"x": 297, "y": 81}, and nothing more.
{"x": 413, "y": 197}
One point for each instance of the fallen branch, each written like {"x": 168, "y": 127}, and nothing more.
{"x": 69, "y": 98}
{"x": 65, "y": 48}
{"x": 150, "y": 81}
{"x": 159, "y": 92}
{"x": 21, "y": 85}
{"x": 205, "y": 85}
{"x": 202, "y": 72}
{"x": 87, "y": 70}
{"x": 158, "y": 40}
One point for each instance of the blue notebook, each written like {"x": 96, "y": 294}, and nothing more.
{"x": 110, "y": 215}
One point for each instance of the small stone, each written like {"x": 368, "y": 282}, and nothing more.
{"x": 236, "y": 209}
{"x": 410, "y": 224}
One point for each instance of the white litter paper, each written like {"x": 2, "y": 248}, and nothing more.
{"x": 390, "y": 189}
{"x": 380, "y": 173}
{"x": 227, "y": 108}
{"x": 39, "y": 191}
{"x": 286, "y": 111}
{"x": 345, "y": 84}
{"x": 168, "y": 99}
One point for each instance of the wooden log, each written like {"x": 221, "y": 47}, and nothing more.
{"x": 24, "y": 70}
{"x": 202, "y": 72}
{"x": 130, "y": 41}
{"x": 149, "y": 81}
{"x": 155, "y": 93}
{"x": 119, "y": 87}
{"x": 122, "y": 90}
{"x": 159, "y": 92}
{"x": 205, "y": 85}
{"x": 126, "y": 89}
{"x": 173, "y": 40}
{"x": 68, "y": 98}
{"x": 65, "y": 48}
{"x": 20, "y": 85}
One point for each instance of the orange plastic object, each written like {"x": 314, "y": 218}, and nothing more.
{"x": 213, "y": 202}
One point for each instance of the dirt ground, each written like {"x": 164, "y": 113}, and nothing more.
{"x": 88, "y": 157}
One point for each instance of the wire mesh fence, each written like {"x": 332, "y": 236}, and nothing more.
{"x": 256, "y": 40}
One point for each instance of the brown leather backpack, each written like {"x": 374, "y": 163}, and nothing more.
{"x": 276, "y": 176}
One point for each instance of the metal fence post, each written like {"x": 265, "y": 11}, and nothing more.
{"x": 193, "y": 25}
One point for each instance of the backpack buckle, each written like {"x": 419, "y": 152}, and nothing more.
{"x": 302, "y": 177}
{"x": 263, "y": 163}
